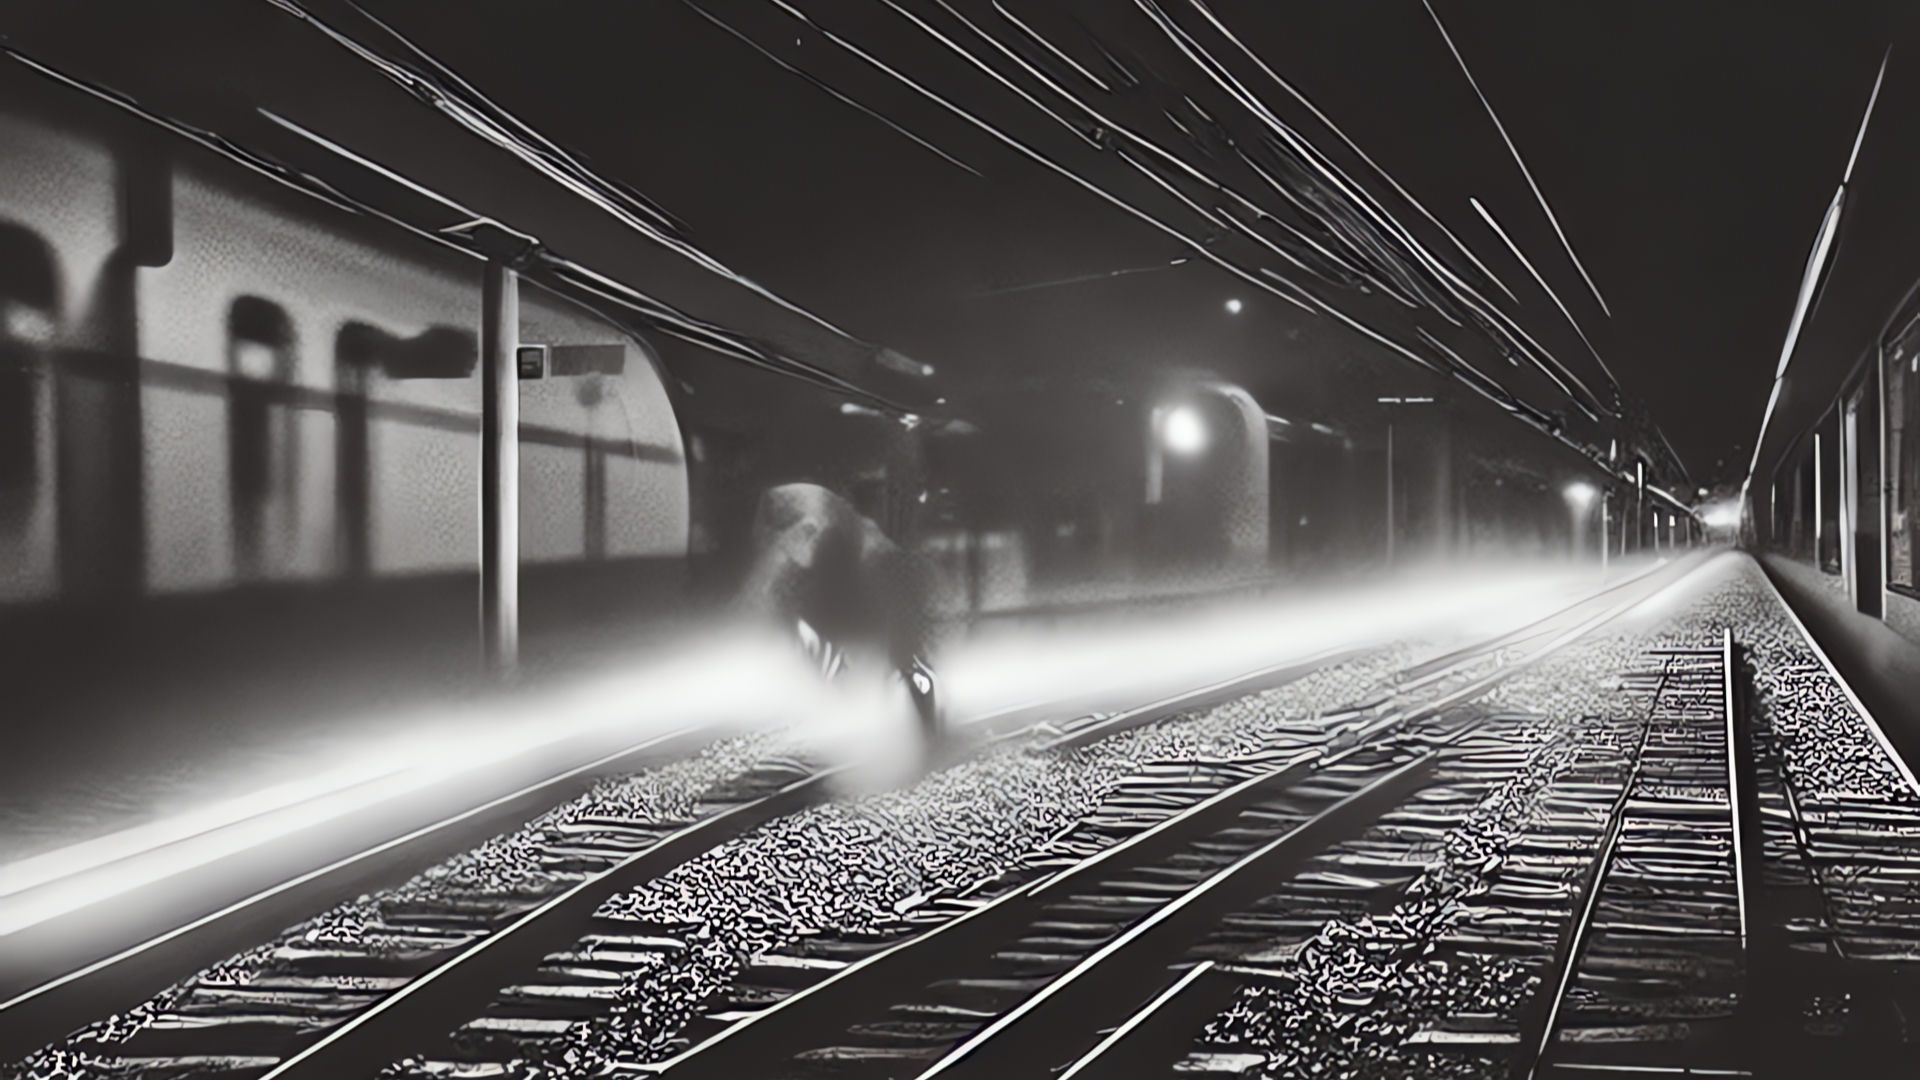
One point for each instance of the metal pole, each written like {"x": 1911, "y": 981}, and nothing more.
{"x": 500, "y": 470}
{"x": 1389, "y": 492}
{"x": 1819, "y": 506}
{"x": 1605, "y": 530}
{"x": 1884, "y": 474}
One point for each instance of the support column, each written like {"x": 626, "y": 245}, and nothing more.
{"x": 1390, "y": 507}
{"x": 1606, "y": 533}
{"x": 1443, "y": 522}
{"x": 499, "y": 470}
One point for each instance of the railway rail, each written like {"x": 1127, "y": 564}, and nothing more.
{"x": 504, "y": 967}
{"x": 318, "y": 1006}
{"x": 1672, "y": 909}
{"x": 1650, "y": 971}
{"x": 1036, "y": 943}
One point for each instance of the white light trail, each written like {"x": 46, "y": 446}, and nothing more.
{"x": 693, "y": 687}
{"x": 1515, "y": 248}
{"x": 1810, "y": 280}
{"x": 567, "y": 174}
{"x": 1515, "y": 151}
{"x": 822, "y": 85}
{"x": 1199, "y": 248}
{"x": 1278, "y": 286}
{"x": 1050, "y": 47}
{"x": 1351, "y": 145}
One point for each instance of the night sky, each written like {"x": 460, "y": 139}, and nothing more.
{"x": 1689, "y": 151}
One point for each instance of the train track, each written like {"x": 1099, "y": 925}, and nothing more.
{"x": 1362, "y": 877}
{"x": 328, "y": 1010}
{"x": 1723, "y": 886}
{"x": 1836, "y": 940}
{"x": 1761, "y": 914}
{"x": 340, "y": 1010}
{"x": 1653, "y": 928}
{"x": 1650, "y": 972}
{"x": 1057, "y": 939}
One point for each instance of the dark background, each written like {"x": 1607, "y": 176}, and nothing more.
{"x": 1689, "y": 151}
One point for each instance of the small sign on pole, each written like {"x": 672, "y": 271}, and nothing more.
{"x": 531, "y": 361}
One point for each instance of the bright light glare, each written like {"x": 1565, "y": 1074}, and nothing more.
{"x": 1184, "y": 432}
{"x": 1114, "y": 666}
{"x": 1580, "y": 494}
{"x": 692, "y": 688}
{"x": 1721, "y": 515}
{"x": 1122, "y": 664}
{"x": 1234, "y": 305}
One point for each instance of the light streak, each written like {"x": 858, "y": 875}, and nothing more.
{"x": 1524, "y": 171}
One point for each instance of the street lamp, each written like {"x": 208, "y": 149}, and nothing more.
{"x": 1234, "y": 306}
{"x": 1722, "y": 515}
{"x": 1580, "y": 496}
{"x": 1177, "y": 429}
{"x": 1183, "y": 431}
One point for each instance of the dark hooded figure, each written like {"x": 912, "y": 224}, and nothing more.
{"x": 822, "y": 570}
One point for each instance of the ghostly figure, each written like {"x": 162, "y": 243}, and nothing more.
{"x": 825, "y": 572}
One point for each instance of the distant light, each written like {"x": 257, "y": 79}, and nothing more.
{"x": 1580, "y": 494}
{"x": 1183, "y": 431}
{"x": 1721, "y": 515}
{"x": 894, "y": 360}
{"x": 1323, "y": 429}
{"x": 1703, "y": 493}
{"x": 1234, "y": 305}
{"x": 854, "y": 408}
{"x": 30, "y": 324}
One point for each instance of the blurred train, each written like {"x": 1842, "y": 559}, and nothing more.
{"x": 1842, "y": 496}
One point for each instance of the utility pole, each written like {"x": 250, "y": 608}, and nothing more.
{"x": 500, "y": 470}
{"x": 1606, "y": 533}
{"x": 1391, "y": 403}
{"x": 1389, "y": 492}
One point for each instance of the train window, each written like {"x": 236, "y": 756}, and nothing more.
{"x": 1827, "y": 494}
{"x": 259, "y": 339}
{"x": 1902, "y": 388}
{"x": 29, "y": 313}
{"x": 261, "y": 439}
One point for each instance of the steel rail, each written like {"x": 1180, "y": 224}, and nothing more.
{"x": 799, "y": 1015}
